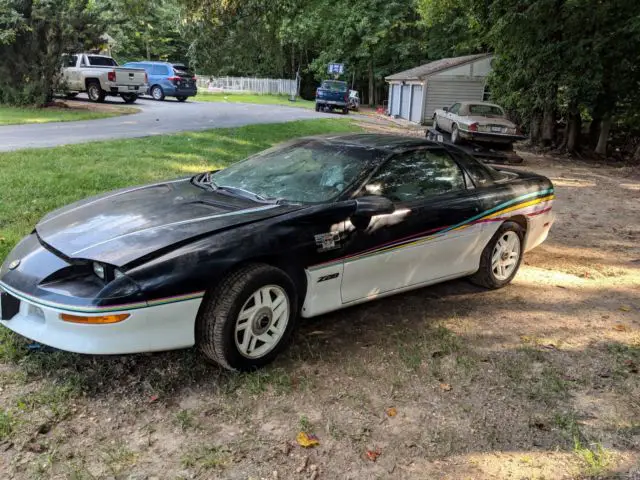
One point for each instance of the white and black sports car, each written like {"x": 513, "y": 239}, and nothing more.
{"x": 229, "y": 260}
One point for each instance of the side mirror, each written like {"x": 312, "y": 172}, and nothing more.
{"x": 373, "y": 205}
{"x": 446, "y": 109}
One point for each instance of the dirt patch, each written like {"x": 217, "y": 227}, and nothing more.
{"x": 98, "y": 107}
{"x": 537, "y": 380}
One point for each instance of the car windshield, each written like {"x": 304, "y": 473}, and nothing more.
{"x": 97, "y": 61}
{"x": 308, "y": 172}
{"x": 334, "y": 86}
{"x": 486, "y": 110}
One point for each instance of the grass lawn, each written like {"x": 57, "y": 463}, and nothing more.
{"x": 204, "y": 96}
{"x": 17, "y": 115}
{"x": 35, "y": 181}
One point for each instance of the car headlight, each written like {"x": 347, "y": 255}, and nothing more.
{"x": 99, "y": 270}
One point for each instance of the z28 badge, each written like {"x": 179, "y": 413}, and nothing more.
{"x": 328, "y": 241}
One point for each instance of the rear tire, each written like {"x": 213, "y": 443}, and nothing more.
{"x": 247, "y": 320}
{"x": 501, "y": 258}
{"x": 455, "y": 135}
{"x": 95, "y": 92}
{"x": 157, "y": 93}
{"x": 317, "y": 107}
{"x": 129, "y": 97}
{"x": 181, "y": 99}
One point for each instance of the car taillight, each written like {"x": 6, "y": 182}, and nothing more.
{"x": 174, "y": 79}
{"x": 111, "y": 76}
{"x": 473, "y": 127}
{"x": 194, "y": 78}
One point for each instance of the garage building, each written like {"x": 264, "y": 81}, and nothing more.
{"x": 416, "y": 93}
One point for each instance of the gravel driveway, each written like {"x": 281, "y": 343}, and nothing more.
{"x": 155, "y": 118}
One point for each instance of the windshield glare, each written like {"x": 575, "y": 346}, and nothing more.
{"x": 309, "y": 172}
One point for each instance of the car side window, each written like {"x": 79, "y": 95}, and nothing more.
{"x": 416, "y": 175}
{"x": 158, "y": 70}
{"x": 455, "y": 108}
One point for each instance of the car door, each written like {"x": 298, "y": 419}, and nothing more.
{"x": 425, "y": 240}
{"x": 71, "y": 73}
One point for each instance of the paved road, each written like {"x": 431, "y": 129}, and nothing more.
{"x": 155, "y": 118}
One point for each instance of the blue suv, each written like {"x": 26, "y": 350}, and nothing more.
{"x": 168, "y": 80}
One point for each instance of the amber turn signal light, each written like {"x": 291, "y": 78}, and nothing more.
{"x": 94, "y": 320}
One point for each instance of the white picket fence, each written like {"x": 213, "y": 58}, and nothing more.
{"x": 273, "y": 86}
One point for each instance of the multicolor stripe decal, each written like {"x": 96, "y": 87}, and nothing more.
{"x": 98, "y": 310}
{"x": 491, "y": 215}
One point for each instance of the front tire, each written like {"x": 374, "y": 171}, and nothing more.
{"x": 247, "y": 320}
{"x": 435, "y": 124}
{"x": 501, "y": 257}
{"x": 95, "y": 92}
{"x": 129, "y": 97}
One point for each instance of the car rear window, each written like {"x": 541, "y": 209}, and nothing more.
{"x": 97, "y": 61}
{"x": 182, "y": 71}
{"x": 485, "y": 110}
{"x": 334, "y": 86}
{"x": 484, "y": 174}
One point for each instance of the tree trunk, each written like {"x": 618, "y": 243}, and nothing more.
{"x": 574, "y": 127}
{"x": 594, "y": 131}
{"x": 636, "y": 154}
{"x": 148, "y": 50}
{"x": 601, "y": 148}
{"x": 548, "y": 126}
{"x": 371, "y": 85}
{"x": 536, "y": 129}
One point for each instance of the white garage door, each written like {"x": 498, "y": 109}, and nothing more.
{"x": 406, "y": 101}
{"x": 444, "y": 93}
{"x": 416, "y": 105}
{"x": 395, "y": 99}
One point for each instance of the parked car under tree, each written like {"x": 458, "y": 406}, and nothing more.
{"x": 99, "y": 76}
{"x": 168, "y": 80}
{"x": 229, "y": 259}
{"x": 476, "y": 121}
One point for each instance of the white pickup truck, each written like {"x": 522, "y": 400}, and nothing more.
{"x": 99, "y": 76}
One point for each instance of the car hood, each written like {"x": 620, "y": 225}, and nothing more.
{"x": 490, "y": 121}
{"x": 125, "y": 225}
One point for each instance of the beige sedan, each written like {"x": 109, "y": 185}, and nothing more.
{"x": 476, "y": 121}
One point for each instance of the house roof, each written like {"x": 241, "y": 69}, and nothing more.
{"x": 423, "y": 71}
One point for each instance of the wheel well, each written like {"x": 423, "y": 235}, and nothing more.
{"x": 87, "y": 81}
{"x": 520, "y": 220}
{"x": 295, "y": 272}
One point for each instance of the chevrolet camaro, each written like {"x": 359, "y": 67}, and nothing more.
{"x": 229, "y": 260}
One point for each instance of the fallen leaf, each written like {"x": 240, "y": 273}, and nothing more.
{"x": 307, "y": 440}
{"x": 620, "y": 327}
{"x": 373, "y": 454}
{"x": 392, "y": 412}
{"x": 445, "y": 386}
{"x": 153, "y": 398}
{"x": 625, "y": 308}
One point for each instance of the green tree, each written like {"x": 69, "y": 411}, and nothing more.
{"x": 35, "y": 33}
